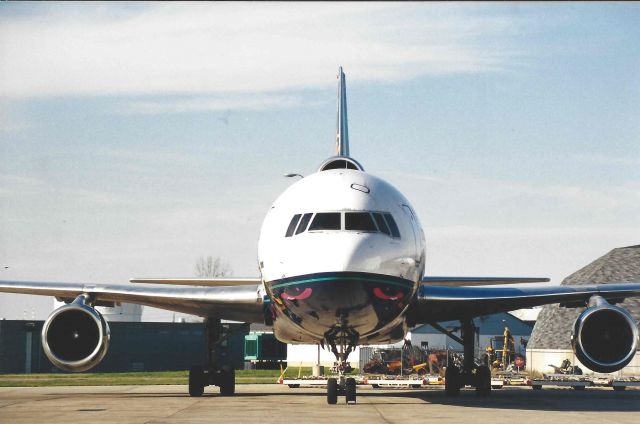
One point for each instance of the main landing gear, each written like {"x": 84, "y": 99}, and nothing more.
{"x": 469, "y": 374}
{"x": 342, "y": 343}
{"x": 221, "y": 375}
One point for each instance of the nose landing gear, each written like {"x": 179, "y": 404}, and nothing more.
{"x": 342, "y": 343}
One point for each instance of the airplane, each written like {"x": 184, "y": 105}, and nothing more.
{"x": 341, "y": 256}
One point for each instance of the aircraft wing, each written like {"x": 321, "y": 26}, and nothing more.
{"x": 210, "y": 282}
{"x": 479, "y": 281}
{"x": 237, "y": 303}
{"x": 442, "y": 303}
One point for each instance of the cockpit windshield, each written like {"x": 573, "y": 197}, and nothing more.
{"x": 360, "y": 221}
{"x": 326, "y": 221}
{"x": 303, "y": 223}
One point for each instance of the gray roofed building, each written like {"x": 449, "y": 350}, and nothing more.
{"x": 555, "y": 324}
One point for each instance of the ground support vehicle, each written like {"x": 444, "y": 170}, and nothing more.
{"x": 413, "y": 380}
{"x": 306, "y": 381}
{"x": 580, "y": 382}
{"x": 502, "y": 379}
{"x": 376, "y": 381}
{"x": 624, "y": 382}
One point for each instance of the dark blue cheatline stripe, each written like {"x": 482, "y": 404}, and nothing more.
{"x": 350, "y": 276}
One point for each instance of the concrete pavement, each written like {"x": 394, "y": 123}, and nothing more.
{"x": 268, "y": 403}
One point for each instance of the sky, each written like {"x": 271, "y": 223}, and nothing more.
{"x": 137, "y": 137}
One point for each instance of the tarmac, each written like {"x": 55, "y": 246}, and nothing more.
{"x": 270, "y": 403}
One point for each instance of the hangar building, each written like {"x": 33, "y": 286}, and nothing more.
{"x": 550, "y": 341}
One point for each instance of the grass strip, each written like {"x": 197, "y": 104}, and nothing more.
{"x": 136, "y": 378}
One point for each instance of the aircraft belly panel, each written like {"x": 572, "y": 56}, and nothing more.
{"x": 312, "y": 305}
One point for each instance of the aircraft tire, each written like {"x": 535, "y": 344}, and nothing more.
{"x": 332, "y": 391}
{"x": 483, "y": 381}
{"x": 350, "y": 390}
{"x": 452, "y": 381}
{"x": 227, "y": 383}
{"x": 196, "y": 381}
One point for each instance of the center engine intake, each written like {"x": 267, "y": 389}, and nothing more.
{"x": 75, "y": 337}
{"x": 605, "y": 337}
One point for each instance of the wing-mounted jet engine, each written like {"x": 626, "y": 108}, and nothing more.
{"x": 75, "y": 337}
{"x": 605, "y": 337}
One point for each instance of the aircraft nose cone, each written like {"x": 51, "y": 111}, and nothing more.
{"x": 361, "y": 302}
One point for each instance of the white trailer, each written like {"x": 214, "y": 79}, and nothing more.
{"x": 580, "y": 382}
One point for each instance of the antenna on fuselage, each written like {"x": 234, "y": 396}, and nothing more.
{"x": 342, "y": 134}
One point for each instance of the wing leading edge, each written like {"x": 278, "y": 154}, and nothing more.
{"x": 208, "y": 282}
{"x": 479, "y": 281}
{"x": 441, "y": 303}
{"x": 238, "y": 303}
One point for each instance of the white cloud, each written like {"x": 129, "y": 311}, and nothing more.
{"x": 16, "y": 188}
{"x": 602, "y": 159}
{"x": 250, "y": 47}
{"x": 211, "y": 103}
{"x": 538, "y": 196}
{"x": 539, "y": 252}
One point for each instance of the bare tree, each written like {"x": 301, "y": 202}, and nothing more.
{"x": 211, "y": 267}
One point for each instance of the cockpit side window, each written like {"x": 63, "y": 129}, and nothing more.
{"x": 304, "y": 222}
{"x": 326, "y": 221}
{"x": 382, "y": 225}
{"x": 292, "y": 225}
{"x": 395, "y": 232}
{"x": 359, "y": 221}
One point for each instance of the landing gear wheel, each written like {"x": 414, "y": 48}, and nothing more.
{"x": 227, "y": 382}
{"x": 483, "y": 381}
{"x": 332, "y": 391}
{"x": 452, "y": 381}
{"x": 196, "y": 381}
{"x": 350, "y": 390}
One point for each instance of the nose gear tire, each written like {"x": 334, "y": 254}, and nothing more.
{"x": 332, "y": 391}
{"x": 350, "y": 390}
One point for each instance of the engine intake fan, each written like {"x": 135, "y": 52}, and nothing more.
{"x": 605, "y": 337}
{"x": 75, "y": 337}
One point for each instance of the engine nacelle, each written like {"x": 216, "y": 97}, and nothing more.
{"x": 605, "y": 337}
{"x": 75, "y": 337}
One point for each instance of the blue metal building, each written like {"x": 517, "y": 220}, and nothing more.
{"x": 488, "y": 326}
{"x": 134, "y": 346}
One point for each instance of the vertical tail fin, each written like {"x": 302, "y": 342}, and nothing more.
{"x": 342, "y": 135}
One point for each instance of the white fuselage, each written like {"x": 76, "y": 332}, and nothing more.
{"x": 336, "y": 251}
